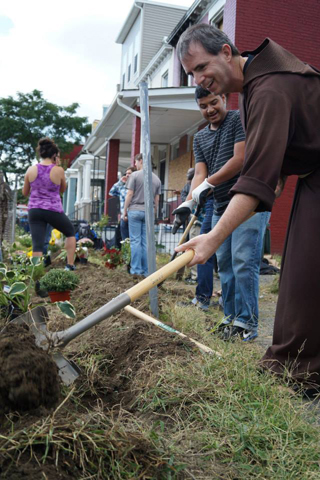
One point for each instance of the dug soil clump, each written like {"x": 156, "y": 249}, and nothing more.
{"x": 28, "y": 375}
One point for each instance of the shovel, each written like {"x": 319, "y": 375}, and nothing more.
{"x": 36, "y": 319}
{"x": 194, "y": 217}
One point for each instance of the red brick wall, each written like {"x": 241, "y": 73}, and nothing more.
{"x": 111, "y": 168}
{"x": 295, "y": 26}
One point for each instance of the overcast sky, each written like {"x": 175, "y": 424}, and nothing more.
{"x": 64, "y": 48}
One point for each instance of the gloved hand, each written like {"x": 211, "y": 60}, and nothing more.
{"x": 182, "y": 213}
{"x": 199, "y": 194}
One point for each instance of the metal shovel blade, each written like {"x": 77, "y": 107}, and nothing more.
{"x": 36, "y": 320}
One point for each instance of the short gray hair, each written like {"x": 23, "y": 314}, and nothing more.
{"x": 211, "y": 38}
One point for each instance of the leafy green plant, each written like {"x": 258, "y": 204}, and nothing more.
{"x": 58, "y": 280}
{"x": 126, "y": 251}
{"x": 113, "y": 257}
{"x": 25, "y": 240}
{"x": 13, "y": 290}
{"x": 103, "y": 222}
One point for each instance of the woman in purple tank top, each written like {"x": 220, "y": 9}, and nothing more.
{"x": 45, "y": 182}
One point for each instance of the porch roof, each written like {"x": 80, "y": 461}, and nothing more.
{"x": 173, "y": 113}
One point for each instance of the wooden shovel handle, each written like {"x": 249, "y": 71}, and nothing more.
{"x": 159, "y": 276}
{"x": 148, "y": 318}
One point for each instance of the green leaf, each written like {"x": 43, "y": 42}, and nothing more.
{"x": 3, "y": 271}
{"x": 3, "y": 265}
{"x": 35, "y": 260}
{"x": 11, "y": 274}
{"x": 67, "y": 309}
{"x": 17, "y": 288}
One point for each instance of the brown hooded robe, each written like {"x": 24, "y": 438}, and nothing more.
{"x": 281, "y": 114}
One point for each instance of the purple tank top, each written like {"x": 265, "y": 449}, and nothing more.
{"x": 44, "y": 193}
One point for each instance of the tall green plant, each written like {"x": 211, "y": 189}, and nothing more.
{"x": 17, "y": 292}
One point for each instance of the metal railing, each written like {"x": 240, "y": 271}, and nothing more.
{"x": 164, "y": 240}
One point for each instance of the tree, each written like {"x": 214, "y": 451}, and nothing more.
{"x": 23, "y": 121}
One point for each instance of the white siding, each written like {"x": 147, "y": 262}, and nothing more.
{"x": 156, "y": 77}
{"x": 130, "y": 47}
{"x": 158, "y": 22}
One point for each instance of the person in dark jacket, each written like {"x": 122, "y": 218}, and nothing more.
{"x": 280, "y": 110}
{"x": 186, "y": 189}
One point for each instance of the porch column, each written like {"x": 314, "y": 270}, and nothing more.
{"x": 136, "y": 134}
{"x": 70, "y": 193}
{"x": 112, "y": 164}
{"x": 87, "y": 181}
{"x": 86, "y": 200}
{"x": 79, "y": 187}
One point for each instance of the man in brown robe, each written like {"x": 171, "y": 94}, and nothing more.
{"x": 280, "y": 110}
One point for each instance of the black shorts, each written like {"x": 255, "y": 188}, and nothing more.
{"x": 38, "y": 220}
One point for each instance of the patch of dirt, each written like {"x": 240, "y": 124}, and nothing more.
{"x": 28, "y": 375}
{"x": 126, "y": 345}
{"x": 112, "y": 356}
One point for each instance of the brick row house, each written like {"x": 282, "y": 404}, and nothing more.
{"x": 148, "y": 38}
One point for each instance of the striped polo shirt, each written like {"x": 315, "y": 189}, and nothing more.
{"x": 215, "y": 148}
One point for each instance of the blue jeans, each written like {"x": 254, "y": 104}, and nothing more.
{"x": 138, "y": 242}
{"x": 124, "y": 229}
{"x": 239, "y": 260}
{"x": 205, "y": 272}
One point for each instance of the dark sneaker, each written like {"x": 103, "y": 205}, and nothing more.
{"x": 190, "y": 281}
{"x": 217, "y": 329}
{"x": 202, "y": 306}
{"x": 70, "y": 267}
{"x": 233, "y": 332}
{"x": 195, "y": 303}
{"x": 47, "y": 261}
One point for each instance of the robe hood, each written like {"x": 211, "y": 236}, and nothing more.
{"x": 270, "y": 58}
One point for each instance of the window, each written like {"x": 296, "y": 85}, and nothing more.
{"x": 219, "y": 24}
{"x": 164, "y": 79}
{"x": 135, "y": 63}
{"x": 129, "y": 72}
{"x": 183, "y": 78}
{"x": 217, "y": 20}
{"x": 123, "y": 80}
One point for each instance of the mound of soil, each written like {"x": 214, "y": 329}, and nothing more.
{"x": 28, "y": 375}
{"x": 129, "y": 347}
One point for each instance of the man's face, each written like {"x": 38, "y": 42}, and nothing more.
{"x": 128, "y": 173}
{"x": 213, "y": 108}
{"x": 211, "y": 72}
{"x": 138, "y": 164}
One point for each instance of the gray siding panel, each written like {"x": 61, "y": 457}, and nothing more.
{"x": 158, "y": 22}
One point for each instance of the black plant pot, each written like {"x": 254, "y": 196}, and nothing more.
{"x": 41, "y": 293}
{"x": 83, "y": 261}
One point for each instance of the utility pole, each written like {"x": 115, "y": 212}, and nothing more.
{"x": 148, "y": 191}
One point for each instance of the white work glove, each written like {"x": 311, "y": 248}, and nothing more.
{"x": 199, "y": 194}
{"x": 182, "y": 213}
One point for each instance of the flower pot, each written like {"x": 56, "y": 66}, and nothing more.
{"x": 59, "y": 296}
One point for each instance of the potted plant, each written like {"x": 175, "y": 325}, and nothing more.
{"x": 59, "y": 283}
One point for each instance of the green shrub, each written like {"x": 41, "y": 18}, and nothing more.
{"x": 58, "y": 280}
{"x": 103, "y": 222}
{"x": 25, "y": 240}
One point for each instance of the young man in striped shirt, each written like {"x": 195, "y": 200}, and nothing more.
{"x": 219, "y": 155}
